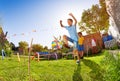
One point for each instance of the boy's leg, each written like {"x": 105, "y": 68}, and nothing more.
{"x": 79, "y": 55}
{"x": 81, "y": 49}
{"x": 82, "y": 54}
{"x": 65, "y": 39}
{"x": 79, "y": 52}
{"x": 75, "y": 53}
{"x": 75, "y": 49}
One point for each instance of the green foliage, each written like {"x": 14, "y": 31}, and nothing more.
{"x": 37, "y": 48}
{"x": 8, "y": 52}
{"x": 114, "y": 47}
{"x": 70, "y": 56}
{"x": 1, "y": 30}
{"x": 45, "y": 49}
{"x": 4, "y": 44}
{"x": 23, "y": 45}
{"x": 111, "y": 64}
{"x": 95, "y": 19}
{"x": 64, "y": 50}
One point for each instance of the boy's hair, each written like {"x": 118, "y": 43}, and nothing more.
{"x": 70, "y": 20}
{"x": 80, "y": 33}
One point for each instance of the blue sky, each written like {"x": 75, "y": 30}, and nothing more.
{"x": 24, "y": 16}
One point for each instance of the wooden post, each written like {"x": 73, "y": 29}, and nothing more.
{"x": 29, "y": 57}
{"x": 3, "y": 54}
{"x": 18, "y": 57}
{"x": 38, "y": 57}
{"x": 87, "y": 47}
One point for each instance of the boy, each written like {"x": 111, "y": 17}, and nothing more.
{"x": 72, "y": 32}
{"x": 80, "y": 46}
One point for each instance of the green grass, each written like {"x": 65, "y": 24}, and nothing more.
{"x": 54, "y": 70}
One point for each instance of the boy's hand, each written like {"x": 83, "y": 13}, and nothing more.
{"x": 60, "y": 21}
{"x": 70, "y": 14}
{"x": 73, "y": 18}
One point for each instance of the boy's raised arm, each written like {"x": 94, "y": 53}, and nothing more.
{"x": 61, "y": 24}
{"x": 73, "y": 18}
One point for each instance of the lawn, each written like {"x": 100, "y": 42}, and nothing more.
{"x": 53, "y": 70}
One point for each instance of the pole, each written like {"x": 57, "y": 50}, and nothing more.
{"x": 38, "y": 57}
{"x": 18, "y": 57}
{"x": 2, "y": 54}
{"x": 87, "y": 48}
{"x": 29, "y": 57}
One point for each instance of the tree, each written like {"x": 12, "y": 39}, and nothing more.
{"x": 4, "y": 43}
{"x": 46, "y": 49}
{"x": 3, "y": 40}
{"x": 64, "y": 49}
{"x": 23, "y": 45}
{"x": 95, "y": 19}
{"x": 37, "y": 48}
{"x": 113, "y": 9}
{"x": 13, "y": 46}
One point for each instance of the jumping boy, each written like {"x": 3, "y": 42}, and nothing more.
{"x": 72, "y": 32}
{"x": 80, "y": 46}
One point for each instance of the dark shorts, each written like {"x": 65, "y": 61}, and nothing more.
{"x": 80, "y": 48}
{"x": 73, "y": 41}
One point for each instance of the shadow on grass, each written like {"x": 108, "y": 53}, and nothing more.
{"x": 95, "y": 55}
{"x": 96, "y": 72}
{"x": 77, "y": 76}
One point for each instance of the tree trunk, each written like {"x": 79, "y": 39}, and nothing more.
{"x": 113, "y": 9}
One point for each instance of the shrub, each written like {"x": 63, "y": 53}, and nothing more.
{"x": 114, "y": 47}
{"x": 8, "y": 52}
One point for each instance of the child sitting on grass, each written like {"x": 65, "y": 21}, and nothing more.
{"x": 80, "y": 46}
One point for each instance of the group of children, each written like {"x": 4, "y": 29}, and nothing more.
{"x": 76, "y": 38}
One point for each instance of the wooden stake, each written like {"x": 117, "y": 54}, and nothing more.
{"x": 18, "y": 57}
{"x": 38, "y": 57}
{"x": 29, "y": 57}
